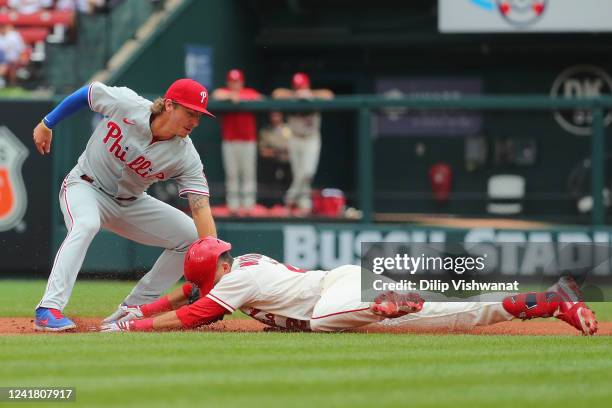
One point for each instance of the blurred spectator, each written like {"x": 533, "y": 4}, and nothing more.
{"x": 3, "y": 69}
{"x": 12, "y": 45}
{"x": 239, "y": 146}
{"x": 274, "y": 152}
{"x": 29, "y": 6}
{"x": 82, "y": 6}
{"x": 305, "y": 143}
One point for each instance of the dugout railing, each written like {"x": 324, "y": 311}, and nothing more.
{"x": 71, "y": 136}
{"x": 365, "y": 105}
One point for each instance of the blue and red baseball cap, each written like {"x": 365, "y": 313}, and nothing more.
{"x": 190, "y": 94}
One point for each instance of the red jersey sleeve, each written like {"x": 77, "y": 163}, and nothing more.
{"x": 249, "y": 94}
{"x": 202, "y": 312}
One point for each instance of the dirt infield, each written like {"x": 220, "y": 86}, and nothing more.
{"x": 24, "y": 325}
{"x": 450, "y": 221}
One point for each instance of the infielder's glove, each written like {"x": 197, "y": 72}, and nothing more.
{"x": 130, "y": 313}
{"x": 124, "y": 313}
{"x": 115, "y": 327}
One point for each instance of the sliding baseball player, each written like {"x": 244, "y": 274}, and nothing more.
{"x": 283, "y": 296}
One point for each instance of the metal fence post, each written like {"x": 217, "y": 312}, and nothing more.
{"x": 366, "y": 167}
{"x": 597, "y": 165}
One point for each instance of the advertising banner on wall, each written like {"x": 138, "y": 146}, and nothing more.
{"x": 507, "y": 16}
{"x": 199, "y": 64}
{"x": 578, "y": 82}
{"x": 428, "y": 122}
{"x": 25, "y": 190}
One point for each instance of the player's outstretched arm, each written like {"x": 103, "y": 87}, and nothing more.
{"x": 42, "y": 138}
{"x": 283, "y": 93}
{"x": 165, "y": 321}
{"x": 172, "y": 301}
{"x": 70, "y": 105}
{"x": 222, "y": 94}
{"x": 202, "y": 312}
{"x": 202, "y": 215}
{"x": 323, "y": 94}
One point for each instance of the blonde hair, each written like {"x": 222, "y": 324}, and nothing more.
{"x": 158, "y": 106}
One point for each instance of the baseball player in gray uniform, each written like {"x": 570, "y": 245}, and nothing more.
{"x": 305, "y": 145}
{"x": 138, "y": 143}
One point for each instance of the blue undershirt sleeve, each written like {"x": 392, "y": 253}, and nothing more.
{"x": 71, "y": 104}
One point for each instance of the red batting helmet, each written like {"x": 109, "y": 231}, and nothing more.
{"x": 190, "y": 94}
{"x": 300, "y": 80}
{"x": 201, "y": 261}
{"x": 235, "y": 75}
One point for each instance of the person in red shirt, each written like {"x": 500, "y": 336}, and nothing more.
{"x": 239, "y": 145}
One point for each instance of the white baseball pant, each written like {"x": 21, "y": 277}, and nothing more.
{"x": 145, "y": 220}
{"x": 304, "y": 155}
{"x": 240, "y": 165}
{"x": 340, "y": 308}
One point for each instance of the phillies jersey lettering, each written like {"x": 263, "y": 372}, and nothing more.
{"x": 140, "y": 165}
{"x": 282, "y": 295}
{"x": 120, "y": 156}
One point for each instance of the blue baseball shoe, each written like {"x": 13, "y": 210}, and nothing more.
{"x": 52, "y": 320}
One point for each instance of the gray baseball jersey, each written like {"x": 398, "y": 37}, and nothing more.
{"x": 119, "y": 156}
{"x": 106, "y": 189}
{"x": 305, "y": 124}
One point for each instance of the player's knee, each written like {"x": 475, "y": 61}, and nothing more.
{"x": 189, "y": 236}
{"x": 89, "y": 227}
{"x": 322, "y": 325}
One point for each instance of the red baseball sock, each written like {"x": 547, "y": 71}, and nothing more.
{"x": 159, "y": 306}
{"x": 532, "y": 304}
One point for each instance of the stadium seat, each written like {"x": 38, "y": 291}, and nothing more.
{"x": 32, "y": 35}
{"x": 42, "y": 19}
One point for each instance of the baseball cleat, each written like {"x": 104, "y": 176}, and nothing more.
{"x": 578, "y": 315}
{"x": 392, "y": 305}
{"x": 52, "y": 320}
{"x": 572, "y": 308}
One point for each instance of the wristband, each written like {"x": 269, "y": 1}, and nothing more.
{"x": 159, "y": 306}
{"x": 141, "y": 325}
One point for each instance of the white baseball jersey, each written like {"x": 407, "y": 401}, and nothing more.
{"x": 260, "y": 287}
{"x": 120, "y": 156}
{"x": 305, "y": 125}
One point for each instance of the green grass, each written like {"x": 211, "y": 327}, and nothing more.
{"x": 305, "y": 370}
{"x": 89, "y": 298}
{"x": 209, "y": 369}
{"x": 15, "y": 92}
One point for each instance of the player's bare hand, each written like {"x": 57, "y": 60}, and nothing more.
{"x": 42, "y": 138}
{"x": 235, "y": 97}
{"x": 304, "y": 94}
{"x": 115, "y": 327}
{"x": 130, "y": 313}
